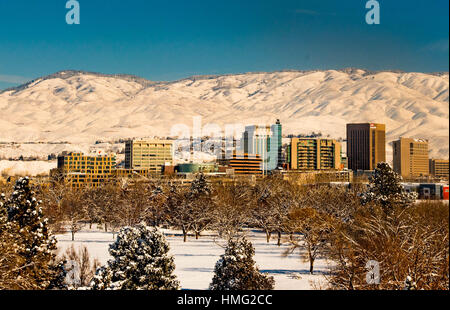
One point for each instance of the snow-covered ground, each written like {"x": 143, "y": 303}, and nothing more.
{"x": 195, "y": 259}
{"x": 30, "y": 168}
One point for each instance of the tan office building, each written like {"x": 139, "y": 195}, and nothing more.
{"x": 80, "y": 170}
{"x": 315, "y": 154}
{"x": 366, "y": 145}
{"x": 439, "y": 168}
{"x": 148, "y": 154}
{"x": 411, "y": 157}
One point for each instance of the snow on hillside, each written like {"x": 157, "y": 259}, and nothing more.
{"x": 195, "y": 259}
{"x": 26, "y": 168}
{"x": 83, "y": 107}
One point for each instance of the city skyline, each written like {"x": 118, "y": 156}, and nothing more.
{"x": 235, "y": 149}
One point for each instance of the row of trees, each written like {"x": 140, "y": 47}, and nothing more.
{"x": 383, "y": 224}
{"x": 272, "y": 205}
{"x": 141, "y": 258}
{"x": 226, "y": 208}
{"x": 351, "y": 227}
{"x": 345, "y": 225}
{"x": 223, "y": 207}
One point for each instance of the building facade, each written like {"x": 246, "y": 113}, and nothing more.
{"x": 344, "y": 163}
{"x": 265, "y": 141}
{"x": 314, "y": 154}
{"x": 131, "y": 173}
{"x": 439, "y": 168}
{"x": 366, "y": 145}
{"x": 148, "y": 154}
{"x": 410, "y": 157}
{"x": 244, "y": 163}
{"x": 80, "y": 170}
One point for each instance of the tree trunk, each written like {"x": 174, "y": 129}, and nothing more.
{"x": 73, "y": 235}
{"x": 279, "y": 239}
{"x": 196, "y": 235}
{"x": 268, "y": 234}
{"x": 350, "y": 284}
{"x": 311, "y": 262}
{"x": 184, "y": 235}
{"x": 106, "y": 228}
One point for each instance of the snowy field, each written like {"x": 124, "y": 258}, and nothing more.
{"x": 195, "y": 259}
{"x": 31, "y": 168}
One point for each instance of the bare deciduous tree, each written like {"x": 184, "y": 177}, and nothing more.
{"x": 272, "y": 200}
{"x": 85, "y": 265}
{"x": 133, "y": 202}
{"x": 313, "y": 230}
{"x": 74, "y": 211}
{"x": 200, "y": 199}
{"x": 230, "y": 211}
{"x": 52, "y": 197}
{"x": 409, "y": 242}
{"x": 178, "y": 210}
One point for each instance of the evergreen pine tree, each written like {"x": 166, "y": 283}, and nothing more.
{"x": 385, "y": 188}
{"x": 141, "y": 261}
{"x": 410, "y": 285}
{"x": 10, "y": 260}
{"x": 59, "y": 272}
{"x": 199, "y": 187}
{"x": 3, "y": 213}
{"x": 24, "y": 221}
{"x": 236, "y": 270}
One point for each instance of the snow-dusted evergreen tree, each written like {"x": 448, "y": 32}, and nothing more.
{"x": 59, "y": 273}
{"x": 10, "y": 260}
{"x": 24, "y": 219}
{"x": 199, "y": 186}
{"x": 236, "y": 269}
{"x": 3, "y": 212}
{"x": 385, "y": 188}
{"x": 141, "y": 261}
{"x": 24, "y": 211}
{"x": 410, "y": 285}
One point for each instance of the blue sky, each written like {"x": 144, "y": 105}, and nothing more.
{"x": 169, "y": 40}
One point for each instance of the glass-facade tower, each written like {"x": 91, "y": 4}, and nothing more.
{"x": 266, "y": 142}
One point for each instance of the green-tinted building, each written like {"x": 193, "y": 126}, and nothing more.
{"x": 197, "y": 168}
{"x": 265, "y": 141}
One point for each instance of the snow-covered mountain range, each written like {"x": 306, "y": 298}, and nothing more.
{"x": 82, "y": 107}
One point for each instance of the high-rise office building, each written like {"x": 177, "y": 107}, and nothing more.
{"x": 439, "y": 168}
{"x": 148, "y": 154}
{"x": 315, "y": 154}
{"x": 366, "y": 145}
{"x": 79, "y": 169}
{"x": 266, "y": 142}
{"x": 410, "y": 157}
